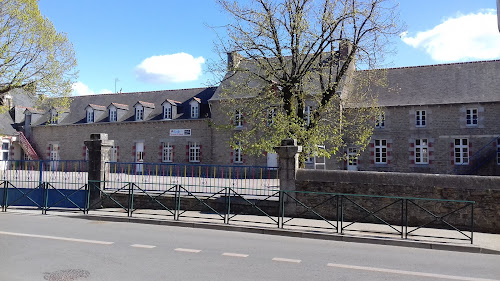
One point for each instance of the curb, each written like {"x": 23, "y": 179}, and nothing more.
{"x": 300, "y": 234}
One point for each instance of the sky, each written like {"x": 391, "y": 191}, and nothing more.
{"x": 148, "y": 45}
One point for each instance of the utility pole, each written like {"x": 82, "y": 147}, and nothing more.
{"x": 498, "y": 14}
{"x": 117, "y": 80}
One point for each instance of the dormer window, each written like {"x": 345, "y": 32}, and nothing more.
{"x": 54, "y": 117}
{"x": 113, "y": 115}
{"x": 195, "y": 110}
{"x": 167, "y": 111}
{"x": 90, "y": 115}
{"x": 139, "y": 113}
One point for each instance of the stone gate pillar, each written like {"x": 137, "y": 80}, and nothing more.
{"x": 288, "y": 163}
{"x": 98, "y": 154}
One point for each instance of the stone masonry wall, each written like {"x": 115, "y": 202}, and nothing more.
{"x": 485, "y": 191}
{"x": 70, "y": 139}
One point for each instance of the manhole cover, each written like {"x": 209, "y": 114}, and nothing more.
{"x": 67, "y": 275}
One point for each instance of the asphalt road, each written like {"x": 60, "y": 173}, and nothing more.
{"x": 37, "y": 247}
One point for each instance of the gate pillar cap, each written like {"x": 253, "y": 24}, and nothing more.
{"x": 99, "y": 136}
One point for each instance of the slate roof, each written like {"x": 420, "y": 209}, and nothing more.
{"x": 146, "y": 104}
{"x": 454, "y": 83}
{"x": 20, "y": 99}
{"x": 77, "y": 113}
{"x": 97, "y": 107}
{"x": 120, "y": 106}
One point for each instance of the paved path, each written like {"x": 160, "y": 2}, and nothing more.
{"x": 57, "y": 248}
{"x": 366, "y": 233}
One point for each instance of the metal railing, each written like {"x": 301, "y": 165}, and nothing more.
{"x": 196, "y": 178}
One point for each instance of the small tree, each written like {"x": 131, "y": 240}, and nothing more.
{"x": 292, "y": 70}
{"x": 33, "y": 55}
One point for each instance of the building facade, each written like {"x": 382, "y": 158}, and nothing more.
{"x": 437, "y": 119}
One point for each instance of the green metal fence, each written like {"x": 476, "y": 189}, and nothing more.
{"x": 403, "y": 217}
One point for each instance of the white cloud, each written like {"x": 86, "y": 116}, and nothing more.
{"x": 178, "y": 67}
{"x": 461, "y": 38}
{"x": 80, "y": 89}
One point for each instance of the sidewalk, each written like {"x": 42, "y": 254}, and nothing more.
{"x": 307, "y": 228}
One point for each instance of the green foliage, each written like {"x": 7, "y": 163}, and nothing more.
{"x": 298, "y": 57}
{"x": 33, "y": 55}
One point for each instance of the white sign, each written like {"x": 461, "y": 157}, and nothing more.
{"x": 180, "y": 132}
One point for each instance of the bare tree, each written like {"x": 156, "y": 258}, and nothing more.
{"x": 292, "y": 70}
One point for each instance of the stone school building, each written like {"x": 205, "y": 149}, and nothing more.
{"x": 442, "y": 119}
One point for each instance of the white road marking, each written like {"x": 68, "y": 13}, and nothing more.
{"x": 404, "y": 272}
{"x": 286, "y": 260}
{"x": 187, "y": 250}
{"x": 143, "y": 246}
{"x": 235, "y": 255}
{"x": 57, "y": 238}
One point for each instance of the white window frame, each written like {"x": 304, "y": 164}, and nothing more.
{"x": 139, "y": 113}
{"x": 420, "y": 118}
{"x": 195, "y": 110}
{"x": 54, "y": 117}
{"x": 90, "y": 115}
{"x": 237, "y": 154}
{"x": 352, "y": 156}
{"x": 461, "y": 151}
{"x": 5, "y": 150}
{"x": 380, "y": 147}
{"x": 421, "y": 151}
{"x": 167, "y": 152}
{"x": 307, "y": 114}
{"x": 194, "y": 152}
{"x": 238, "y": 118}
{"x": 471, "y": 117}
{"x": 380, "y": 120}
{"x": 167, "y": 111}
{"x": 271, "y": 114}
{"x": 113, "y": 115}
{"x": 113, "y": 154}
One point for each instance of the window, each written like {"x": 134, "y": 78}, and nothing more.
{"x": 380, "y": 151}
{"x": 271, "y": 114}
{"x": 139, "y": 113}
{"x": 421, "y": 151}
{"x": 194, "y": 152}
{"x": 5, "y": 150}
{"x": 420, "y": 118}
{"x": 167, "y": 111}
{"x": 113, "y": 154}
{"x": 380, "y": 120}
{"x": 195, "y": 110}
{"x": 461, "y": 152}
{"x": 237, "y": 154}
{"x": 471, "y": 116}
{"x": 167, "y": 152}
{"x": 352, "y": 158}
{"x": 238, "y": 118}
{"x": 112, "y": 115}
{"x": 307, "y": 114}
{"x": 54, "y": 117}
{"x": 90, "y": 115}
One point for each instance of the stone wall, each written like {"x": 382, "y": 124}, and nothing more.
{"x": 485, "y": 191}
{"x": 125, "y": 134}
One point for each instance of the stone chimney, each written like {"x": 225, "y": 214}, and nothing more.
{"x": 345, "y": 48}
{"x": 233, "y": 60}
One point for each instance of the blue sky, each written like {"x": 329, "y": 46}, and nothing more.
{"x": 129, "y": 40}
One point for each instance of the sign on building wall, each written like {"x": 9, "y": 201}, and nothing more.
{"x": 180, "y": 132}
